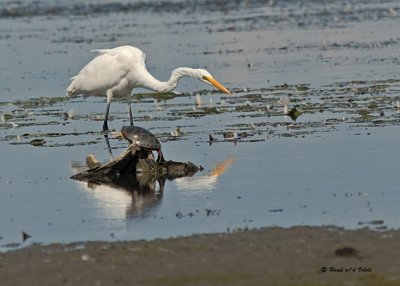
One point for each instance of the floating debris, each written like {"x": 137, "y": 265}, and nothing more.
{"x": 198, "y": 102}
{"x": 210, "y": 212}
{"x": 92, "y": 162}
{"x": 13, "y": 125}
{"x": 284, "y": 101}
{"x": 69, "y": 115}
{"x": 373, "y": 222}
{"x": 294, "y": 113}
{"x": 275, "y": 210}
{"x": 241, "y": 135}
{"x": 229, "y": 135}
{"x": 177, "y": 132}
{"x": 377, "y": 222}
{"x": 37, "y": 142}
{"x": 211, "y": 139}
{"x": 365, "y": 115}
{"x": 25, "y": 236}
{"x": 364, "y": 194}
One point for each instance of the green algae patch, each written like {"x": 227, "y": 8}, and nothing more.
{"x": 38, "y": 102}
{"x": 157, "y": 96}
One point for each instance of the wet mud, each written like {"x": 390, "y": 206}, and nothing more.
{"x": 277, "y": 256}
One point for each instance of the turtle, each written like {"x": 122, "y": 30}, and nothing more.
{"x": 143, "y": 138}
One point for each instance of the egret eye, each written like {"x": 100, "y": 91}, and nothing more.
{"x": 204, "y": 77}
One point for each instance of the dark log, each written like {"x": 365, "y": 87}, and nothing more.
{"x": 133, "y": 161}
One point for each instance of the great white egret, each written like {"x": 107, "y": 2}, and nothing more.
{"x": 115, "y": 72}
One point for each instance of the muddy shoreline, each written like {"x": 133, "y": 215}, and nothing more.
{"x": 269, "y": 256}
{"x": 313, "y": 140}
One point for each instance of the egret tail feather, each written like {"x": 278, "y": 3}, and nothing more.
{"x": 100, "y": 51}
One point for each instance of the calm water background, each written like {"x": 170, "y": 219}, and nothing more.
{"x": 344, "y": 177}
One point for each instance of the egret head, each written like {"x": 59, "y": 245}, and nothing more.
{"x": 206, "y": 77}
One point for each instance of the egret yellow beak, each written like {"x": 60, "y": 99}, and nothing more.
{"x": 218, "y": 85}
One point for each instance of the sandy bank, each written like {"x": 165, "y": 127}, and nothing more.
{"x": 271, "y": 256}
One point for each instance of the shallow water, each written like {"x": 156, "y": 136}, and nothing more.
{"x": 336, "y": 164}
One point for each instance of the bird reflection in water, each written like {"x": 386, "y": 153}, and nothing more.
{"x": 139, "y": 195}
{"x": 205, "y": 182}
{"x": 125, "y": 196}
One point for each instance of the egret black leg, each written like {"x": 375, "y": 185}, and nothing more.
{"x": 130, "y": 113}
{"x": 105, "y": 125}
{"x": 109, "y": 98}
{"x": 108, "y": 146}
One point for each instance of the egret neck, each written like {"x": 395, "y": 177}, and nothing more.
{"x": 150, "y": 82}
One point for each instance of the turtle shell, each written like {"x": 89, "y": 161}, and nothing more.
{"x": 141, "y": 137}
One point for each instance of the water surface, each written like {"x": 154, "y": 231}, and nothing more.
{"x": 335, "y": 62}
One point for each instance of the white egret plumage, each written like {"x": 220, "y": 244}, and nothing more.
{"x": 115, "y": 72}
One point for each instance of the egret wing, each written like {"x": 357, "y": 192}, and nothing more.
{"x": 102, "y": 73}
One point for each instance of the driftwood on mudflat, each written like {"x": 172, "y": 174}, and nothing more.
{"x": 135, "y": 160}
